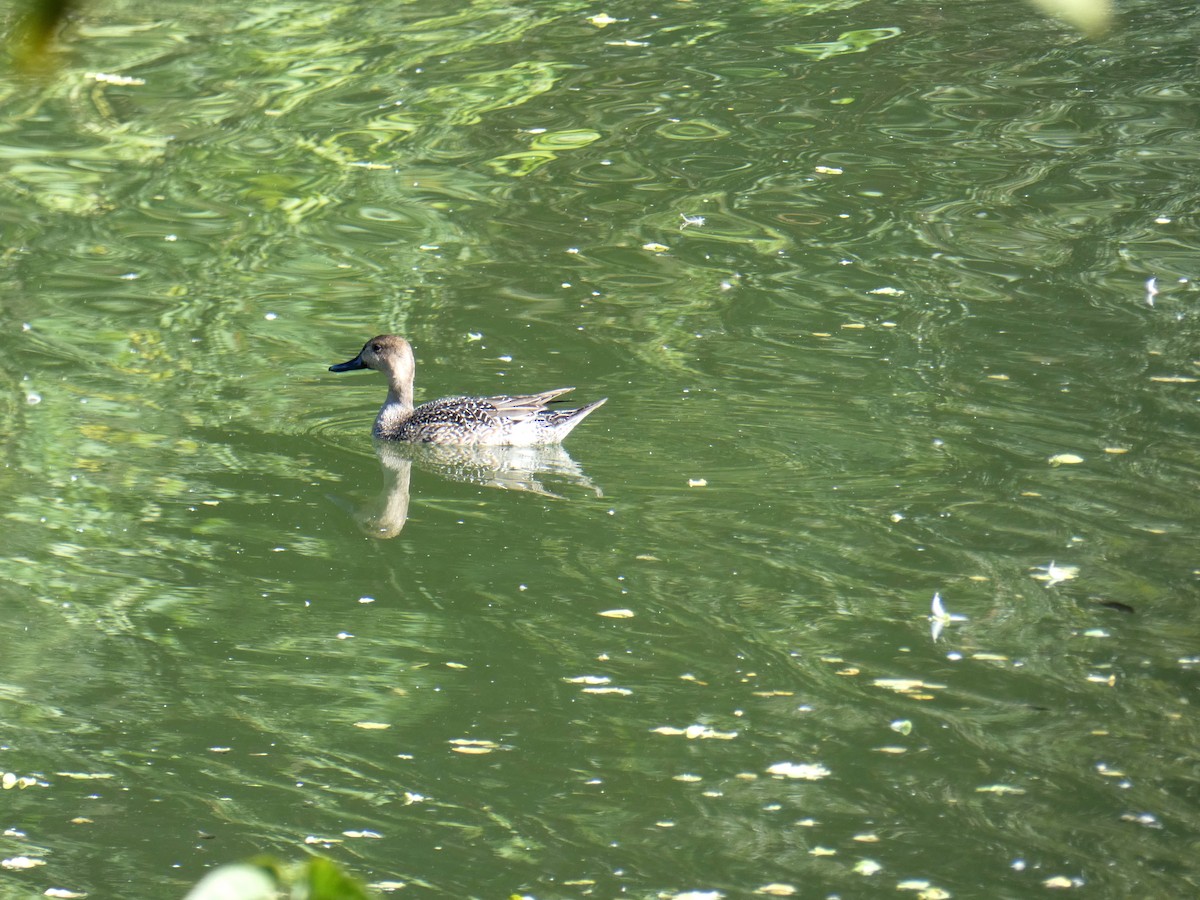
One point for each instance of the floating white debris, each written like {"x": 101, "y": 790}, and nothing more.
{"x": 120, "y": 80}
{"x": 1062, "y": 881}
{"x": 1065, "y": 459}
{"x": 907, "y": 685}
{"x": 803, "y": 771}
{"x": 1000, "y": 789}
{"x": 697, "y": 482}
{"x": 617, "y": 614}
{"x": 602, "y": 20}
{"x": 939, "y": 618}
{"x": 656, "y": 248}
{"x": 867, "y": 867}
{"x": 1151, "y": 290}
{"x": 372, "y": 726}
{"x": 588, "y": 679}
{"x": 388, "y": 887}
{"x": 887, "y": 291}
{"x": 827, "y": 170}
{"x": 695, "y": 732}
{"x": 1053, "y": 573}
{"x": 776, "y": 889}
{"x": 472, "y": 746}
{"x": 21, "y": 862}
{"x": 1148, "y": 819}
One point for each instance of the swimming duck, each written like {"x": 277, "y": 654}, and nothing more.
{"x": 514, "y": 421}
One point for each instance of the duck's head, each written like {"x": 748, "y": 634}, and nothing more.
{"x": 387, "y": 353}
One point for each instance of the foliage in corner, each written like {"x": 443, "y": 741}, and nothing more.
{"x": 265, "y": 878}
{"x": 36, "y": 29}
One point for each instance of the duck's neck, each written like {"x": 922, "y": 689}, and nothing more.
{"x": 400, "y": 393}
{"x": 398, "y": 407}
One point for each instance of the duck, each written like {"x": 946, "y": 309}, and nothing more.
{"x": 522, "y": 420}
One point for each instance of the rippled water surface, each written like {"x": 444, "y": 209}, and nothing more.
{"x": 888, "y": 300}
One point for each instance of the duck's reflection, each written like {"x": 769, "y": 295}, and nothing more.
{"x": 508, "y": 468}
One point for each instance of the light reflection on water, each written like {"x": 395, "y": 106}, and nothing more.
{"x": 841, "y": 393}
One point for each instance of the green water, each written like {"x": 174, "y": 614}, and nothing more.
{"x": 911, "y": 348}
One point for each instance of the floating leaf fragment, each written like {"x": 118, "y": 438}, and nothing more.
{"x": 617, "y": 614}
{"x": 776, "y": 889}
{"x": 822, "y": 851}
{"x": 656, "y": 248}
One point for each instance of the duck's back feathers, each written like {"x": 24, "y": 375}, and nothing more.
{"x": 503, "y": 419}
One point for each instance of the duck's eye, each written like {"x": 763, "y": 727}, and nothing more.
{"x": 375, "y": 348}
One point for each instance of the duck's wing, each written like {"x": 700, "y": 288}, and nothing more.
{"x": 523, "y": 406}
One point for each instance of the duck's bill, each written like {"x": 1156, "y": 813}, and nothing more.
{"x": 349, "y": 366}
